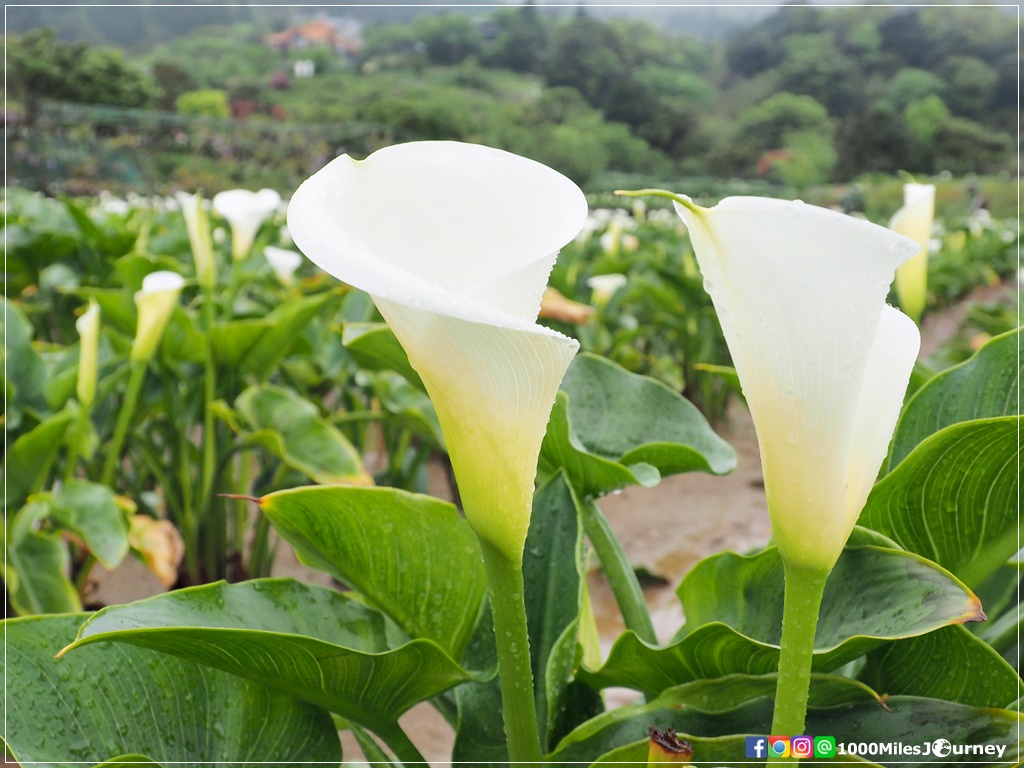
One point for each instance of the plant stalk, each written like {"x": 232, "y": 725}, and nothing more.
{"x": 124, "y": 420}
{"x": 802, "y": 603}
{"x": 74, "y": 448}
{"x": 508, "y": 608}
{"x": 621, "y": 576}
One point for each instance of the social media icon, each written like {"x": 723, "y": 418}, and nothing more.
{"x": 778, "y": 746}
{"x": 824, "y": 746}
{"x": 757, "y": 746}
{"x": 801, "y": 746}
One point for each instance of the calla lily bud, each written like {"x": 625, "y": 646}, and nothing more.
{"x": 155, "y": 302}
{"x": 459, "y": 279}
{"x": 603, "y": 287}
{"x": 88, "y": 326}
{"x": 283, "y": 262}
{"x": 914, "y": 220}
{"x": 245, "y": 212}
{"x": 824, "y": 362}
{"x": 198, "y": 224}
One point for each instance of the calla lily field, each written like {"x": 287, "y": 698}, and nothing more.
{"x": 419, "y": 375}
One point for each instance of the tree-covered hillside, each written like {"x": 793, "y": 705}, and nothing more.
{"x": 808, "y": 94}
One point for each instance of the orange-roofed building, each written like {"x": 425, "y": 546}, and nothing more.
{"x": 314, "y": 33}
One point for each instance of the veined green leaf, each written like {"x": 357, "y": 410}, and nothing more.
{"x": 985, "y": 386}
{"x": 611, "y": 428}
{"x": 38, "y": 566}
{"x": 310, "y": 642}
{"x": 90, "y": 510}
{"x": 915, "y": 723}
{"x": 950, "y": 663}
{"x": 735, "y": 704}
{"x": 30, "y": 458}
{"x": 375, "y": 347}
{"x": 733, "y": 606}
{"x": 292, "y": 429}
{"x": 954, "y": 498}
{"x": 410, "y": 555}
{"x": 114, "y": 700}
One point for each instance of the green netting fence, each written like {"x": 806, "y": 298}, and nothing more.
{"x": 82, "y": 149}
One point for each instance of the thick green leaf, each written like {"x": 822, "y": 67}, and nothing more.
{"x": 285, "y": 329}
{"x": 292, "y": 429}
{"x": 28, "y": 461}
{"x": 24, "y": 370}
{"x": 710, "y": 708}
{"x": 375, "y": 347}
{"x": 950, "y": 663}
{"x": 412, "y": 556}
{"x": 182, "y": 339}
{"x": 408, "y": 405}
{"x": 987, "y": 385}
{"x": 722, "y": 752}
{"x": 920, "y": 722}
{"x": 954, "y": 498}
{"x": 733, "y": 606}
{"x": 90, "y": 511}
{"x": 311, "y": 642}
{"x": 610, "y": 428}
{"x": 127, "y": 760}
{"x": 909, "y": 724}
{"x": 235, "y": 339}
{"x": 106, "y": 701}
{"x": 38, "y": 566}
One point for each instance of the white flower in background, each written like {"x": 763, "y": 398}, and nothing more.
{"x": 823, "y": 361}
{"x": 914, "y": 220}
{"x": 283, "y": 262}
{"x": 88, "y": 326}
{"x": 197, "y": 222}
{"x": 155, "y": 303}
{"x": 455, "y": 242}
{"x": 602, "y": 287}
{"x": 245, "y": 212}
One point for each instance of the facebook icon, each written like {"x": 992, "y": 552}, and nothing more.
{"x": 757, "y": 746}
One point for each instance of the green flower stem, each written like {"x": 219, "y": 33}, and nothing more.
{"x": 73, "y": 450}
{"x": 508, "y": 608}
{"x": 621, "y": 576}
{"x": 210, "y": 381}
{"x": 802, "y": 602}
{"x": 400, "y": 744}
{"x": 124, "y": 420}
{"x": 216, "y": 513}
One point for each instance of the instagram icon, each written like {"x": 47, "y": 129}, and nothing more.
{"x": 801, "y": 746}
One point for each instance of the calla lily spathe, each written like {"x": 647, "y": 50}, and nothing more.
{"x": 198, "y": 225}
{"x": 245, "y": 212}
{"x": 155, "y": 303}
{"x": 603, "y": 287}
{"x": 455, "y": 242}
{"x": 824, "y": 362}
{"x": 88, "y": 326}
{"x": 914, "y": 220}
{"x": 283, "y": 262}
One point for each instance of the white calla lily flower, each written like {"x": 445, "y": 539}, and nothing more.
{"x": 198, "y": 225}
{"x": 824, "y": 362}
{"x": 155, "y": 302}
{"x": 245, "y": 212}
{"x": 603, "y": 287}
{"x": 88, "y": 326}
{"x": 283, "y": 262}
{"x": 914, "y": 220}
{"x": 455, "y": 242}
